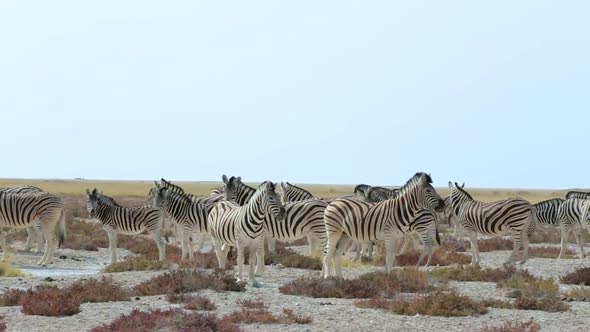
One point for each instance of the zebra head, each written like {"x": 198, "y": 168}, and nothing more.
{"x": 458, "y": 196}
{"x": 361, "y": 190}
{"x": 231, "y": 187}
{"x": 284, "y": 192}
{"x": 420, "y": 192}
{"x": 94, "y": 200}
{"x": 160, "y": 197}
{"x": 272, "y": 200}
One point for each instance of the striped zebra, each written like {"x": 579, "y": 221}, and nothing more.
{"x": 303, "y": 219}
{"x": 510, "y": 216}
{"x": 240, "y": 192}
{"x": 210, "y": 199}
{"x": 577, "y": 194}
{"x": 349, "y": 219}
{"x": 191, "y": 217}
{"x": 231, "y": 225}
{"x": 25, "y": 210}
{"x": 292, "y": 193}
{"x": 126, "y": 220}
{"x": 32, "y": 231}
{"x": 447, "y": 216}
{"x": 572, "y": 215}
{"x": 545, "y": 213}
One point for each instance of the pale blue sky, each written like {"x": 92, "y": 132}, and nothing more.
{"x": 494, "y": 94}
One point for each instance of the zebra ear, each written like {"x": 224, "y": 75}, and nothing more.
{"x": 239, "y": 179}
{"x": 463, "y": 185}
{"x": 224, "y": 178}
{"x": 88, "y": 192}
{"x": 450, "y": 185}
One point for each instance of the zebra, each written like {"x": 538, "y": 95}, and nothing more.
{"x": 350, "y": 219}
{"x": 32, "y": 231}
{"x": 25, "y": 210}
{"x": 242, "y": 226}
{"x": 293, "y": 193}
{"x": 572, "y": 215}
{"x": 210, "y": 199}
{"x": 126, "y": 220}
{"x": 493, "y": 219}
{"x": 545, "y": 213}
{"x": 240, "y": 192}
{"x": 189, "y": 216}
{"x": 577, "y": 194}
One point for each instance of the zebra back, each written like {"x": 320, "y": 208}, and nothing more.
{"x": 22, "y": 190}
{"x": 293, "y": 193}
{"x": 547, "y": 212}
{"x": 577, "y": 194}
{"x": 380, "y": 194}
{"x": 23, "y": 210}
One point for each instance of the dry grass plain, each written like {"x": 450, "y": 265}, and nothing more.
{"x": 156, "y": 295}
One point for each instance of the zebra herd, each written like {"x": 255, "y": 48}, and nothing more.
{"x": 240, "y": 216}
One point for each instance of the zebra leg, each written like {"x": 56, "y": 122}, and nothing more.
{"x": 405, "y": 244}
{"x": 185, "y": 241}
{"x": 525, "y": 246}
{"x": 50, "y": 243}
{"x": 260, "y": 256}
{"x": 332, "y": 243}
{"x": 218, "y": 252}
{"x": 240, "y": 260}
{"x": 112, "y": 235}
{"x": 564, "y": 237}
{"x": 157, "y": 236}
{"x": 225, "y": 248}
{"x": 252, "y": 262}
{"x": 357, "y": 249}
{"x": 474, "y": 249}
{"x": 30, "y": 234}
{"x": 579, "y": 241}
{"x": 200, "y": 242}
{"x": 5, "y": 249}
{"x": 272, "y": 244}
{"x": 312, "y": 244}
{"x": 390, "y": 259}
{"x": 39, "y": 235}
{"x": 341, "y": 248}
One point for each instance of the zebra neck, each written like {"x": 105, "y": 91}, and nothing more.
{"x": 255, "y": 209}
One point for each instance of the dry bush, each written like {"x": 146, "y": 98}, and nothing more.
{"x": 581, "y": 276}
{"x": 374, "y": 284}
{"x": 495, "y": 243}
{"x": 549, "y": 235}
{"x": 550, "y": 252}
{"x": 513, "y": 326}
{"x": 535, "y": 293}
{"x": 8, "y": 271}
{"x": 439, "y": 303}
{"x": 184, "y": 280}
{"x": 192, "y": 302}
{"x": 476, "y": 273}
{"x": 199, "y": 302}
{"x": 11, "y": 297}
{"x": 82, "y": 235}
{"x": 137, "y": 263}
{"x": 97, "y": 290}
{"x": 340, "y": 288}
{"x": 455, "y": 245}
{"x": 577, "y": 294}
{"x": 289, "y": 258}
{"x": 442, "y": 256}
{"x": 500, "y": 304}
{"x": 257, "y": 312}
{"x": 2, "y": 324}
{"x": 168, "y": 320}
{"x": 49, "y": 301}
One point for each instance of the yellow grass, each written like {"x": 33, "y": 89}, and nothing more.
{"x": 141, "y": 188}
{"x": 7, "y": 270}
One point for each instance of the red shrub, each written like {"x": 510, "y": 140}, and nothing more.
{"x": 580, "y": 276}
{"x": 49, "y": 301}
{"x": 180, "y": 281}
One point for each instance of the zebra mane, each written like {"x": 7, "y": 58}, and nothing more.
{"x": 361, "y": 188}
{"x": 463, "y": 191}
{"x": 170, "y": 184}
{"x": 298, "y": 188}
{"x": 419, "y": 178}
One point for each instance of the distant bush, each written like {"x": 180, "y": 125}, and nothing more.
{"x": 8, "y": 271}
{"x": 168, "y": 320}
{"x": 137, "y": 263}
{"x": 11, "y": 297}
{"x": 289, "y": 258}
{"x": 512, "y": 326}
{"x": 577, "y": 294}
{"x": 257, "y": 312}
{"x": 535, "y": 293}
{"x": 49, "y": 301}
{"x": 550, "y": 252}
{"x": 476, "y": 273}
{"x": 581, "y": 276}
{"x": 439, "y": 303}
{"x": 183, "y": 280}
{"x": 493, "y": 244}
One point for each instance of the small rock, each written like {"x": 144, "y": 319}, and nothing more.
{"x": 137, "y": 298}
{"x": 63, "y": 257}
{"x": 49, "y": 279}
{"x": 280, "y": 266}
{"x": 326, "y": 303}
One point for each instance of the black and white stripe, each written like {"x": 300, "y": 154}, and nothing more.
{"x": 545, "y": 213}
{"x": 26, "y": 210}
{"x": 32, "y": 231}
{"x": 577, "y": 194}
{"x": 350, "y": 219}
{"x": 509, "y": 216}
{"x": 190, "y": 217}
{"x": 293, "y": 193}
{"x": 573, "y": 217}
{"x": 231, "y": 225}
{"x": 126, "y": 220}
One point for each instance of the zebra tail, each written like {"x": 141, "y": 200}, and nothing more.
{"x": 62, "y": 228}
{"x": 436, "y": 235}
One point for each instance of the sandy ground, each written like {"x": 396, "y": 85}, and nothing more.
{"x": 329, "y": 314}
